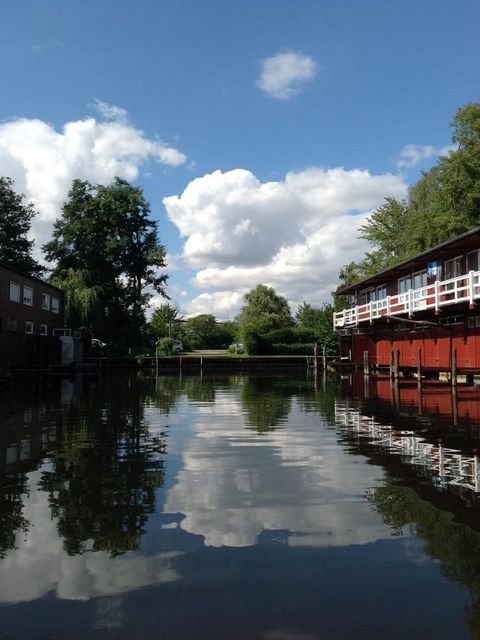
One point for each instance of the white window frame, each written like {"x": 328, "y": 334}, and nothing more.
{"x": 458, "y": 267}
{"x": 29, "y": 327}
{"x": 400, "y": 284}
{"x": 46, "y": 301}
{"x": 27, "y": 299}
{"x": 14, "y": 291}
{"x": 457, "y": 271}
{"x": 419, "y": 287}
{"x": 477, "y": 254}
{"x": 55, "y": 302}
{"x": 44, "y": 330}
{"x": 381, "y": 292}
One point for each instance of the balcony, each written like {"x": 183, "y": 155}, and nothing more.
{"x": 435, "y": 296}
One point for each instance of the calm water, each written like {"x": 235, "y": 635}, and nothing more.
{"x": 238, "y": 507}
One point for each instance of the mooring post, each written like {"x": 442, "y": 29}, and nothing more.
{"x": 454, "y": 367}
{"x": 454, "y": 406}
{"x": 419, "y": 368}
{"x": 396, "y": 360}
{"x": 365, "y": 363}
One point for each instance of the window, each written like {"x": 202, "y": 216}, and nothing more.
{"x": 473, "y": 263}
{"x": 453, "y": 267}
{"x": 404, "y": 284}
{"x": 45, "y": 302}
{"x": 43, "y": 330}
{"x": 55, "y": 305}
{"x": 29, "y": 327}
{"x": 14, "y": 292}
{"x": 380, "y": 293}
{"x": 11, "y": 325}
{"x": 28, "y": 296}
{"x": 419, "y": 279}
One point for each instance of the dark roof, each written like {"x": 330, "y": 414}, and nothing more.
{"x": 14, "y": 269}
{"x": 445, "y": 249}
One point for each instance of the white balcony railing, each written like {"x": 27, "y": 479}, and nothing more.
{"x": 435, "y": 296}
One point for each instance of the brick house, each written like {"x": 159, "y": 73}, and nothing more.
{"x": 31, "y": 311}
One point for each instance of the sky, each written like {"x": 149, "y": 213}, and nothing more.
{"x": 263, "y": 132}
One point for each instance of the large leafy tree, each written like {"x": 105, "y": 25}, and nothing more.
{"x": 442, "y": 204}
{"x": 15, "y": 220}
{"x": 106, "y": 241}
{"x": 165, "y": 321}
{"x": 264, "y": 310}
{"x": 319, "y": 321}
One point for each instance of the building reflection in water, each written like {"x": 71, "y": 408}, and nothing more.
{"x": 433, "y": 429}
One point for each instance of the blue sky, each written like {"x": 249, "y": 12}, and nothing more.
{"x": 263, "y": 133}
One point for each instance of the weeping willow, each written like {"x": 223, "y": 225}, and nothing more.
{"x": 81, "y": 300}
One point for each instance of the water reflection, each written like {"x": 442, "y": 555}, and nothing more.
{"x": 238, "y": 507}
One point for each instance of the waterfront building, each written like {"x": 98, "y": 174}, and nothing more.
{"x": 422, "y": 313}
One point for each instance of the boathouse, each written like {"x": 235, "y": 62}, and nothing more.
{"x": 423, "y": 313}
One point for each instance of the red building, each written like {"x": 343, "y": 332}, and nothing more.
{"x": 422, "y": 312}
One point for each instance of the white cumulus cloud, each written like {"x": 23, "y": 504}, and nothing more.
{"x": 43, "y": 161}
{"x": 294, "y": 234}
{"x": 284, "y": 74}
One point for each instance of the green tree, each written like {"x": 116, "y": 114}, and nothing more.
{"x": 15, "y": 221}
{"x": 319, "y": 321}
{"x": 264, "y": 310}
{"x": 165, "y": 321}
{"x": 387, "y": 232}
{"x": 442, "y": 204}
{"x": 106, "y": 241}
{"x": 200, "y": 331}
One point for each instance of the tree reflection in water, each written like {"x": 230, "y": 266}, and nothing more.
{"x": 456, "y": 546}
{"x": 266, "y": 403}
{"x": 105, "y": 471}
{"x": 12, "y": 520}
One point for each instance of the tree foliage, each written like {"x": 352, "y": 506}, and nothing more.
{"x": 165, "y": 322}
{"x": 15, "y": 221}
{"x": 319, "y": 321}
{"x": 442, "y": 204}
{"x": 264, "y": 310}
{"x": 107, "y": 243}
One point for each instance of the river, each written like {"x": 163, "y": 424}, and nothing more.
{"x": 238, "y": 507}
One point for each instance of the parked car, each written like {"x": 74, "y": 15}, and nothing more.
{"x": 96, "y": 343}
{"x": 177, "y": 346}
{"x": 236, "y": 347}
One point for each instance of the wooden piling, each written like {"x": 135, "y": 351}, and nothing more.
{"x": 366, "y": 369}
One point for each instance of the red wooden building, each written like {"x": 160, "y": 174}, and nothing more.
{"x": 422, "y": 312}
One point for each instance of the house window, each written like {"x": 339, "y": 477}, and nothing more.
{"x": 14, "y": 292}
{"x": 29, "y": 327}
{"x": 404, "y": 284}
{"x": 453, "y": 267}
{"x": 380, "y": 293}
{"x": 11, "y": 325}
{"x": 419, "y": 279}
{"x": 43, "y": 330}
{"x": 55, "y": 305}
{"x": 28, "y": 296}
{"x": 45, "y": 302}
{"x": 473, "y": 262}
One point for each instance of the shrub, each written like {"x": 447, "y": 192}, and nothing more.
{"x": 165, "y": 347}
